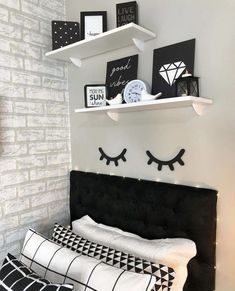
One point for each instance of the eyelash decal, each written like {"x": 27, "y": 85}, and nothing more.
{"x": 112, "y": 159}
{"x": 170, "y": 163}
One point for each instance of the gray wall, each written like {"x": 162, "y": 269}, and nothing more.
{"x": 209, "y": 140}
{"x": 34, "y": 123}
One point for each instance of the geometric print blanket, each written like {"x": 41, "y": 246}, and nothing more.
{"x": 15, "y": 276}
{"x": 164, "y": 274}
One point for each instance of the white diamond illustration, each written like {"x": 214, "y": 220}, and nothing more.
{"x": 170, "y": 72}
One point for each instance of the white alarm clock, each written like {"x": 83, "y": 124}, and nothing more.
{"x": 132, "y": 91}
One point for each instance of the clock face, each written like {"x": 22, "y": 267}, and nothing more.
{"x": 133, "y": 90}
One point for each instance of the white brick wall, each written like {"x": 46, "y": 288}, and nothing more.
{"x": 34, "y": 123}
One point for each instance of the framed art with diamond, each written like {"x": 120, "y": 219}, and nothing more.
{"x": 93, "y": 23}
{"x": 169, "y": 63}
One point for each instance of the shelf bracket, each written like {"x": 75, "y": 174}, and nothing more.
{"x": 199, "y": 108}
{"x": 138, "y": 43}
{"x": 76, "y": 61}
{"x": 113, "y": 115}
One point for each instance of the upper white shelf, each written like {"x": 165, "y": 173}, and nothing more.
{"x": 198, "y": 104}
{"x": 116, "y": 38}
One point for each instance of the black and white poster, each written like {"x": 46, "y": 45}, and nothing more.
{"x": 126, "y": 13}
{"x": 169, "y": 63}
{"x": 119, "y": 73}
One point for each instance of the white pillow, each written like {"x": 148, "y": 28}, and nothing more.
{"x": 173, "y": 252}
{"x": 59, "y": 264}
{"x": 164, "y": 274}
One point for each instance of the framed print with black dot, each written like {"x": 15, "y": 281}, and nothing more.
{"x": 93, "y": 23}
{"x": 64, "y": 33}
{"x": 95, "y": 95}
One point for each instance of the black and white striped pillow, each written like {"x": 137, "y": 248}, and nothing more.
{"x": 164, "y": 274}
{"x": 14, "y": 275}
{"x": 57, "y": 263}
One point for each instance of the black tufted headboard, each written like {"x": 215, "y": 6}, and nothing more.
{"x": 152, "y": 210}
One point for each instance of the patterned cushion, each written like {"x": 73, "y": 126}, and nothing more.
{"x": 164, "y": 275}
{"x": 15, "y": 276}
{"x": 57, "y": 263}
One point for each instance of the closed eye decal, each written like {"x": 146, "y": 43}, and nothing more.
{"x": 170, "y": 163}
{"x": 112, "y": 159}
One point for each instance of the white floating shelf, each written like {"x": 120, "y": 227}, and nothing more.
{"x": 123, "y": 36}
{"x": 198, "y": 104}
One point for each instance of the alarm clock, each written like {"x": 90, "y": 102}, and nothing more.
{"x": 132, "y": 90}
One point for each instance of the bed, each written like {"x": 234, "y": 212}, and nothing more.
{"x": 152, "y": 210}
{"x": 127, "y": 234}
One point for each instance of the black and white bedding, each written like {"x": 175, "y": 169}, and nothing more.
{"x": 59, "y": 264}
{"x": 164, "y": 275}
{"x": 72, "y": 262}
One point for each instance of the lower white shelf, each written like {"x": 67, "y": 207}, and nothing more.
{"x": 198, "y": 104}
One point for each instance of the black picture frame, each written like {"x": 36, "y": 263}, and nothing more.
{"x": 93, "y": 23}
{"x": 169, "y": 63}
{"x": 95, "y": 95}
{"x": 119, "y": 72}
{"x": 126, "y": 13}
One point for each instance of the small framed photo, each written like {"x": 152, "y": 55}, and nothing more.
{"x": 95, "y": 95}
{"x": 93, "y": 23}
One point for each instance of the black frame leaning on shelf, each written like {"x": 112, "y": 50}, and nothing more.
{"x": 84, "y": 18}
{"x": 126, "y": 12}
{"x": 169, "y": 63}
